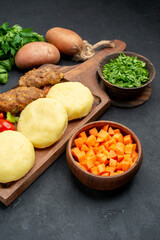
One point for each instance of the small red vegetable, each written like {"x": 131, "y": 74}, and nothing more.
{"x": 6, "y": 125}
{"x": 1, "y": 115}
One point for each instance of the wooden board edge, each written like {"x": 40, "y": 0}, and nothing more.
{"x": 9, "y": 197}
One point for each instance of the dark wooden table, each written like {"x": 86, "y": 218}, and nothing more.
{"x": 57, "y": 205}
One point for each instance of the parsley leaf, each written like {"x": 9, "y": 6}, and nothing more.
{"x": 126, "y": 71}
{"x": 11, "y": 40}
{"x": 11, "y": 118}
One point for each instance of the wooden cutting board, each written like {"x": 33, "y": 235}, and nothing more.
{"x": 85, "y": 73}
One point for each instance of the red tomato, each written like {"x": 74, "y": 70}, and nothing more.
{"x": 1, "y": 115}
{"x": 6, "y": 125}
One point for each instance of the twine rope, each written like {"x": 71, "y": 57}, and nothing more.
{"x": 88, "y": 50}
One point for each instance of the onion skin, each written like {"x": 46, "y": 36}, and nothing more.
{"x": 67, "y": 41}
{"x": 35, "y": 54}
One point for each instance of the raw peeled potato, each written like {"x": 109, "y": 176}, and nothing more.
{"x": 75, "y": 98}
{"x": 43, "y": 121}
{"x": 17, "y": 156}
{"x": 67, "y": 41}
{"x": 35, "y": 54}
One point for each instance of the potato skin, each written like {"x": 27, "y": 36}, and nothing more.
{"x": 35, "y": 54}
{"x": 67, "y": 41}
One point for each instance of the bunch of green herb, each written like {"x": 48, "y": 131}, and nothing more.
{"x": 126, "y": 71}
{"x": 11, "y": 40}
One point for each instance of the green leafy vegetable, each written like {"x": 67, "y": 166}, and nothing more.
{"x": 126, "y": 71}
{"x": 11, "y": 118}
{"x": 3, "y": 74}
{"x": 11, "y": 40}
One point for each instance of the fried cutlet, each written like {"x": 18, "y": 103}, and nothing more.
{"x": 17, "y": 99}
{"x": 40, "y": 77}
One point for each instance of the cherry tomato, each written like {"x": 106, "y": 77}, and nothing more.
{"x": 1, "y": 115}
{"x": 6, "y": 125}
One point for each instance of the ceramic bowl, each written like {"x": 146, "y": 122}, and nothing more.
{"x": 120, "y": 92}
{"x": 103, "y": 182}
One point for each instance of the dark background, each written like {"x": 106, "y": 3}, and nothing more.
{"x": 57, "y": 205}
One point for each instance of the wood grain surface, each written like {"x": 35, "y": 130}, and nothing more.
{"x": 138, "y": 100}
{"x": 85, "y": 73}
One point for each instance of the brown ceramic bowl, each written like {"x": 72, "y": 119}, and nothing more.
{"x": 103, "y": 182}
{"x": 120, "y": 92}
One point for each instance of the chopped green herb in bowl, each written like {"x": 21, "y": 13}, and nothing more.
{"x": 126, "y": 71}
{"x": 126, "y": 75}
